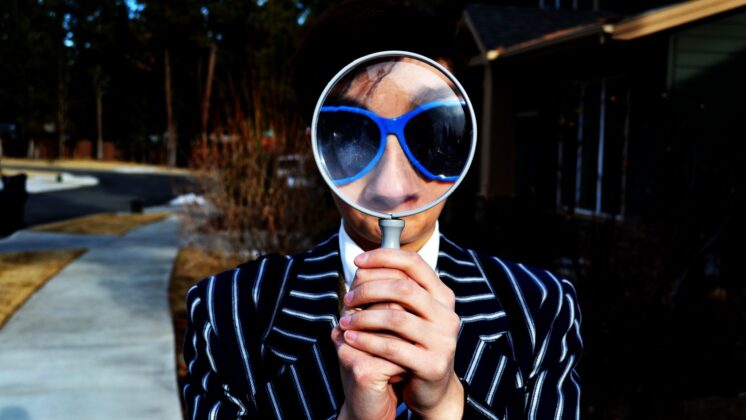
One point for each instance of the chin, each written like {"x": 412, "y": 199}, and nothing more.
{"x": 415, "y": 227}
{"x": 363, "y": 227}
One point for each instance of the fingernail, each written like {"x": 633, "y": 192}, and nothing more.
{"x": 345, "y": 321}
{"x": 349, "y": 297}
{"x": 351, "y": 335}
{"x": 362, "y": 258}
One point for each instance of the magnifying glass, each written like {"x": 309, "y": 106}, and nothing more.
{"x": 393, "y": 134}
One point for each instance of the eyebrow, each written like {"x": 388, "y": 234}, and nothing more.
{"x": 428, "y": 95}
{"x": 421, "y": 97}
{"x": 345, "y": 101}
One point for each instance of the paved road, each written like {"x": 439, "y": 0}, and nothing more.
{"x": 114, "y": 192}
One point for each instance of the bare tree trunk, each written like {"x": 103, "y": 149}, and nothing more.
{"x": 208, "y": 93}
{"x": 99, "y": 118}
{"x": 60, "y": 109}
{"x": 170, "y": 123}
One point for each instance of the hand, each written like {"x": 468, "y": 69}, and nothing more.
{"x": 367, "y": 382}
{"x": 424, "y": 340}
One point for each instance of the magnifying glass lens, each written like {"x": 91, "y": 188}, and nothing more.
{"x": 393, "y": 134}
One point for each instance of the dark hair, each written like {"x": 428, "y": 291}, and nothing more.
{"x": 355, "y": 28}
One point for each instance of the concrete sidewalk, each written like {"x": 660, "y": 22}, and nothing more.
{"x": 97, "y": 340}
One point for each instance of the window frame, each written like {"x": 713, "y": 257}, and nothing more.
{"x": 597, "y": 211}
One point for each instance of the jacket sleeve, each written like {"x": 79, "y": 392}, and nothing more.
{"x": 553, "y": 385}
{"x": 211, "y": 390}
{"x": 545, "y": 334}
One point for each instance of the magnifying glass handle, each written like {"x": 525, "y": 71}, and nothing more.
{"x": 390, "y": 232}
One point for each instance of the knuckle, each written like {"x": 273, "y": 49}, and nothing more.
{"x": 450, "y": 346}
{"x": 454, "y": 322}
{"x": 404, "y": 287}
{"x": 346, "y": 359}
{"x": 389, "y": 348}
{"x": 440, "y": 367}
{"x": 450, "y": 297}
{"x": 359, "y": 372}
{"x": 397, "y": 318}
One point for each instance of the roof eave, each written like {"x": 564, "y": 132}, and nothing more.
{"x": 670, "y": 17}
{"x": 553, "y": 39}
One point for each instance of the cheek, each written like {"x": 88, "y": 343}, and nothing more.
{"x": 364, "y": 225}
{"x": 353, "y": 190}
{"x": 433, "y": 192}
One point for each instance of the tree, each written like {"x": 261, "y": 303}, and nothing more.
{"x": 33, "y": 93}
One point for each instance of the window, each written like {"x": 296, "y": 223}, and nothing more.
{"x": 593, "y": 164}
{"x": 569, "y": 4}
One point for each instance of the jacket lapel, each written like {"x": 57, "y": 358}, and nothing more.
{"x": 298, "y": 344}
{"x": 484, "y": 354}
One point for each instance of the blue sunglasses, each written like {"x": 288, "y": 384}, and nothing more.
{"x": 435, "y": 137}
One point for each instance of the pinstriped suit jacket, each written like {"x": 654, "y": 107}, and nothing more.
{"x": 258, "y": 343}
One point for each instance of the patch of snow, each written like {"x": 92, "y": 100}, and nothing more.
{"x": 188, "y": 199}
{"x": 135, "y": 169}
{"x": 41, "y": 183}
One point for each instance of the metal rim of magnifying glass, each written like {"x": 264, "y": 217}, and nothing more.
{"x": 319, "y": 159}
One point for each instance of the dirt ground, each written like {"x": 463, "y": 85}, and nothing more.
{"x": 23, "y": 273}
{"x": 92, "y": 165}
{"x": 101, "y": 224}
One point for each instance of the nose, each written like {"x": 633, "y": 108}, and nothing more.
{"x": 393, "y": 184}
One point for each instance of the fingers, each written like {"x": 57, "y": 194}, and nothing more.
{"x": 424, "y": 364}
{"x": 439, "y": 335}
{"x": 402, "y": 293}
{"x": 364, "y": 368}
{"x": 402, "y": 323}
{"x": 364, "y": 275}
{"x": 412, "y": 265}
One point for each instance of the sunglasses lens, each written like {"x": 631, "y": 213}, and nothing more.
{"x": 348, "y": 142}
{"x": 440, "y": 140}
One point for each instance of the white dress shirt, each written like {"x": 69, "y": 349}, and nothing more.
{"x": 348, "y": 250}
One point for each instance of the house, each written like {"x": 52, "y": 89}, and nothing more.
{"x": 638, "y": 120}
{"x": 606, "y": 90}
{"x": 613, "y": 151}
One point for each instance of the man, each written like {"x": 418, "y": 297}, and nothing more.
{"x": 445, "y": 333}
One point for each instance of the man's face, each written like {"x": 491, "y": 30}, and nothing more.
{"x": 394, "y": 185}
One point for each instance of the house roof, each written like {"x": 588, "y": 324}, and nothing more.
{"x": 505, "y": 31}
{"x": 500, "y": 28}
{"x": 665, "y": 18}
{"x": 504, "y": 26}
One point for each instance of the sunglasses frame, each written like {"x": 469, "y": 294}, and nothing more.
{"x": 396, "y": 127}
{"x": 320, "y": 104}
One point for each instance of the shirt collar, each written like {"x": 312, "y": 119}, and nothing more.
{"x": 348, "y": 250}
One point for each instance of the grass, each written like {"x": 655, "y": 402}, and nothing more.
{"x": 192, "y": 264}
{"x": 29, "y": 173}
{"x": 101, "y": 224}
{"x": 91, "y": 164}
{"x": 23, "y": 273}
